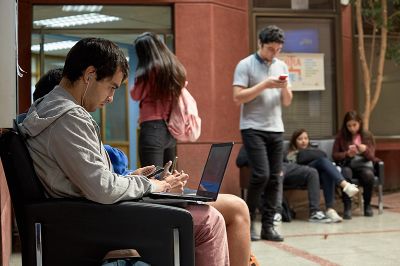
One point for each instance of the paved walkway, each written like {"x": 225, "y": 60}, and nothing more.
{"x": 360, "y": 241}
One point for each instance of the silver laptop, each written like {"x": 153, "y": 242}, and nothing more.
{"x": 211, "y": 179}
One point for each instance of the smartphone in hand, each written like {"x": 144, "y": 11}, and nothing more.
{"x": 173, "y": 167}
{"x": 156, "y": 172}
{"x": 353, "y": 148}
{"x": 283, "y": 77}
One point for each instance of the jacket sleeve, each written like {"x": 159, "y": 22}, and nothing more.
{"x": 338, "y": 150}
{"x": 75, "y": 145}
{"x": 369, "y": 153}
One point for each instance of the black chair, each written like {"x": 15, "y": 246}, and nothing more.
{"x": 80, "y": 232}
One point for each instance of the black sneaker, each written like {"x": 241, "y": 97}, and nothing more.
{"x": 271, "y": 234}
{"x": 368, "y": 211}
{"x": 347, "y": 215}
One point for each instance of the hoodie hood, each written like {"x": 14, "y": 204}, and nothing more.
{"x": 45, "y": 111}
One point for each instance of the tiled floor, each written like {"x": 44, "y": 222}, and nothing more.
{"x": 361, "y": 241}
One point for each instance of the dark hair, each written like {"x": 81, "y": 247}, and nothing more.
{"x": 348, "y": 137}
{"x": 104, "y": 55}
{"x": 158, "y": 67}
{"x": 295, "y": 135}
{"x": 271, "y": 34}
{"x": 47, "y": 83}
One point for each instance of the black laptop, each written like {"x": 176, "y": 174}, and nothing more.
{"x": 211, "y": 179}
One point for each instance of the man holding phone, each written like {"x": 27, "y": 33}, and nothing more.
{"x": 261, "y": 87}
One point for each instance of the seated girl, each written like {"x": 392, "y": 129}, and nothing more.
{"x": 329, "y": 175}
{"x": 354, "y": 149}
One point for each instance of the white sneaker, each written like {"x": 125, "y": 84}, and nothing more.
{"x": 350, "y": 189}
{"x": 332, "y": 214}
{"x": 277, "y": 218}
{"x": 319, "y": 217}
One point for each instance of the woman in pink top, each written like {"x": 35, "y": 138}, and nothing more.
{"x": 352, "y": 143}
{"x": 158, "y": 83}
{"x": 160, "y": 78}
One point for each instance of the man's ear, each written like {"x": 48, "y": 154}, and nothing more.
{"x": 89, "y": 73}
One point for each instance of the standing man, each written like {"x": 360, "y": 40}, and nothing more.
{"x": 260, "y": 91}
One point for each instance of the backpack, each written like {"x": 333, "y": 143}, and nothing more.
{"x": 184, "y": 123}
{"x": 288, "y": 214}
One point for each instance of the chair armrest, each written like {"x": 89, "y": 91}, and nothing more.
{"x": 82, "y": 231}
{"x": 380, "y": 171}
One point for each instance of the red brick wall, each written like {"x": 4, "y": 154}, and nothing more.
{"x": 211, "y": 38}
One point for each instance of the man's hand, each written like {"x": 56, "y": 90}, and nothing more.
{"x": 144, "y": 170}
{"x": 274, "y": 82}
{"x": 160, "y": 185}
{"x": 177, "y": 181}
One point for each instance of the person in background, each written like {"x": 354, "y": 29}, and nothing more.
{"x": 60, "y": 125}
{"x": 260, "y": 91}
{"x": 353, "y": 141}
{"x": 159, "y": 80}
{"x": 158, "y": 83}
{"x": 47, "y": 83}
{"x": 328, "y": 173}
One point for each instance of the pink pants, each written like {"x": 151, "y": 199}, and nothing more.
{"x": 210, "y": 240}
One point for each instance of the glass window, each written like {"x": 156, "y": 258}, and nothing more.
{"x": 116, "y": 116}
{"x": 56, "y": 28}
{"x": 384, "y": 118}
{"x": 312, "y": 110}
{"x": 295, "y": 4}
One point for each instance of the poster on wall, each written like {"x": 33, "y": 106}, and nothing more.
{"x": 306, "y": 70}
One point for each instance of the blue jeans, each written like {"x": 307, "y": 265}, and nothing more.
{"x": 265, "y": 153}
{"x": 329, "y": 177}
{"x": 156, "y": 144}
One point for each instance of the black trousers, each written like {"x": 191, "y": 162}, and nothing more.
{"x": 265, "y": 153}
{"x": 156, "y": 144}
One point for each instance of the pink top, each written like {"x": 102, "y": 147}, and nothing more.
{"x": 150, "y": 109}
{"x": 357, "y": 139}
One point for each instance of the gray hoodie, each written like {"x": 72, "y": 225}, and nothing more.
{"x": 68, "y": 156}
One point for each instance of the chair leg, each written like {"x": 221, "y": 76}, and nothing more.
{"x": 360, "y": 199}
{"x": 380, "y": 199}
{"x": 176, "y": 247}
{"x": 38, "y": 244}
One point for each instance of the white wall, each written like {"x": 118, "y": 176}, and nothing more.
{"x": 8, "y": 69}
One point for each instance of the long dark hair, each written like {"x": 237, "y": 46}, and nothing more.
{"x": 158, "y": 67}
{"x": 348, "y": 137}
{"x": 295, "y": 135}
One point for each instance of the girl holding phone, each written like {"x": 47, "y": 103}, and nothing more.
{"x": 353, "y": 142}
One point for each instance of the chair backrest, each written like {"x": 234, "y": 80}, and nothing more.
{"x": 23, "y": 184}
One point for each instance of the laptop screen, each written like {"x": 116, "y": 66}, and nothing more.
{"x": 214, "y": 170}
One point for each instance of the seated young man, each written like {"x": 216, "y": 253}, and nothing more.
{"x": 233, "y": 209}
{"x": 69, "y": 158}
